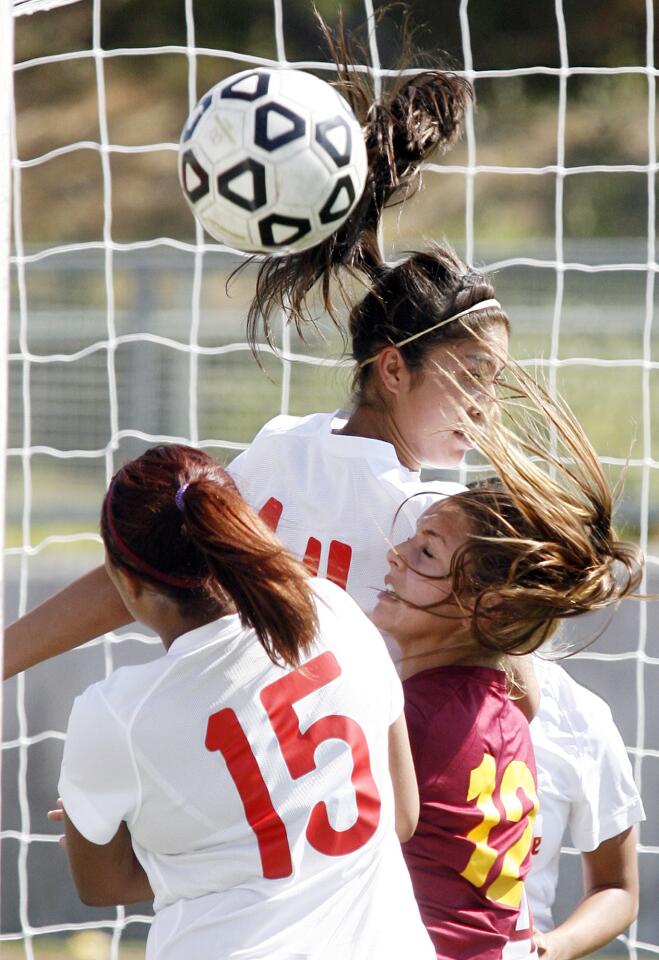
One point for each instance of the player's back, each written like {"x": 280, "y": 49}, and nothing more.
{"x": 261, "y": 804}
{"x": 585, "y": 780}
{"x": 332, "y": 498}
{"x": 476, "y": 772}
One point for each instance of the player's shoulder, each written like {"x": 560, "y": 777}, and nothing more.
{"x": 431, "y": 695}
{"x": 568, "y": 698}
{"x": 343, "y": 621}
{"x": 570, "y": 713}
{"x": 332, "y": 600}
{"x": 285, "y": 425}
{"x": 444, "y": 488}
{"x": 121, "y": 693}
{"x": 281, "y": 441}
{"x": 422, "y": 494}
{"x": 450, "y": 710}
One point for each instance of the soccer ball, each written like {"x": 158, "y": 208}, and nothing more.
{"x": 272, "y": 161}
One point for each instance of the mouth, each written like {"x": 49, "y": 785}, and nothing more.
{"x": 388, "y": 594}
{"x": 463, "y": 438}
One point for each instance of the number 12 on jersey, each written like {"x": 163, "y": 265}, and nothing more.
{"x": 506, "y": 887}
{"x": 225, "y": 734}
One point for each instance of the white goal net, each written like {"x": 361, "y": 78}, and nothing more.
{"x": 123, "y": 331}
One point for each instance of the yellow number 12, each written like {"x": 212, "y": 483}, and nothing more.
{"x": 506, "y": 887}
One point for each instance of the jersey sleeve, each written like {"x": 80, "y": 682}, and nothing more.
{"x": 249, "y": 461}
{"x": 98, "y": 784}
{"x": 239, "y": 466}
{"x": 609, "y": 802}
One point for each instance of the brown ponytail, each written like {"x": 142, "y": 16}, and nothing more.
{"x": 414, "y": 117}
{"x": 175, "y": 518}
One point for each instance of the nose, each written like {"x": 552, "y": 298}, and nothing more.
{"x": 394, "y": 558}
{"x": 481, "y": 403}
{"x": 476, "y": 407}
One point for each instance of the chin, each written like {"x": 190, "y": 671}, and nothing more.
{"x": 379, "y": 618}
{"x": 375, "y": 619}
{"x": 447, "y": 462}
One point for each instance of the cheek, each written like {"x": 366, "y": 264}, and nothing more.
{"x": 455, "y": 399}
{"x": 426, "y": 592}
{"x": 443, "y": 412}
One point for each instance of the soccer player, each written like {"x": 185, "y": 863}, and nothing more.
{"x": 429, "y": 342}
{"x": 331, "y": 483}
{"x": 585, "y": 783}
{"x": 488, "y": 573}
{"x": 242, "y": 779}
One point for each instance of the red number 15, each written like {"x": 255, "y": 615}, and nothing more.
{"x": 225, "y": 734}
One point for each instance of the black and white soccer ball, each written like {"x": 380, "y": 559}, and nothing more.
{"x": 272, "y": 160}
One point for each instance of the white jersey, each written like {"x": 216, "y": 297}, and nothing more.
{"x": 258, "y": 798}
{"x": 585, "y": 780}
{"x": 332, "y": 499}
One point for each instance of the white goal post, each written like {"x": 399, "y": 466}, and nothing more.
{"x": 6, "y": 98}
{"x": 120, "y": 333}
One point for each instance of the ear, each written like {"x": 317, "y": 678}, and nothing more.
{"x": 392, "y": 370}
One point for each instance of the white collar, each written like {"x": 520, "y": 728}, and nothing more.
{"x": 380, "y": 454}
{"x": 217, "y": 631}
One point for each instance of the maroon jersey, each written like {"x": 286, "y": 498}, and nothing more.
{"x": 477, "y": 781}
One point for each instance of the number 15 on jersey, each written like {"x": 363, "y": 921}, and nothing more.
{"x": 225, "y": 734}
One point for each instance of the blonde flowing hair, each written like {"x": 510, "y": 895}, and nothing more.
{"x": 542, "y": 546}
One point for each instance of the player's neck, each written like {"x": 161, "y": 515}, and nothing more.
{"x": 175, "y": 625}
{"x": 373, "y": 423}
{"x": 422, "y": 655}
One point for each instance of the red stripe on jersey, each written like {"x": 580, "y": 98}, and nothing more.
{"x": 311, "y": 557}
{"x": 338, "y": 563}
{"x": 225, "y": 734}
{"x": 339, "y": 557}
{"x": 271, "y": 512}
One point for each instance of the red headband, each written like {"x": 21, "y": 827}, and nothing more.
{"x": 141, "y": 565}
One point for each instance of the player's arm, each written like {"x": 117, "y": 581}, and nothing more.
{"x": 609, "y": 906}
{"x": 86, "y": 609}
{"x": 403, "y": 777}
{"x": 108, "y": 874}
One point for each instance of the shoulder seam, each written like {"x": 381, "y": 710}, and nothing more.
{"x": 127, "y": 728}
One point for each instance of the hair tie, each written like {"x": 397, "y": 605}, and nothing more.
{"x": 178, "y": 499}
{"x": 491, "y": 303}
{"x": 140, "y": 565}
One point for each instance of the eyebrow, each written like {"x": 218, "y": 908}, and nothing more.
{"x": 487, "y": 357}
{"x": 429, "y": 532}
{"x": 491, "y": 360}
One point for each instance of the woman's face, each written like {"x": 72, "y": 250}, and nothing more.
{"x": 457, "y": 379}
{"x": 418, "y": 574}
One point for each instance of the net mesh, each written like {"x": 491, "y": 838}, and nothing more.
{"x": 119, "y": 340}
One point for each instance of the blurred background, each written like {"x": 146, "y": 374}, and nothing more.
{"x": 127, "y": 326}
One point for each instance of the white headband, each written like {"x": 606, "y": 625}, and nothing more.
{"x": 483, "y": 305}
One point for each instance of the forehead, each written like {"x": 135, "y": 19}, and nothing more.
{"x": 445, "y": 520}
{"x": 491, "y": 344}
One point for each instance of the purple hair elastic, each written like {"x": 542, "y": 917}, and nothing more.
{"x": 141, "y": 565}
{"x": 178, "y": 499}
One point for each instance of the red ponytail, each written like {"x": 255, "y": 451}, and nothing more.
{"x": 175, "y": 518}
